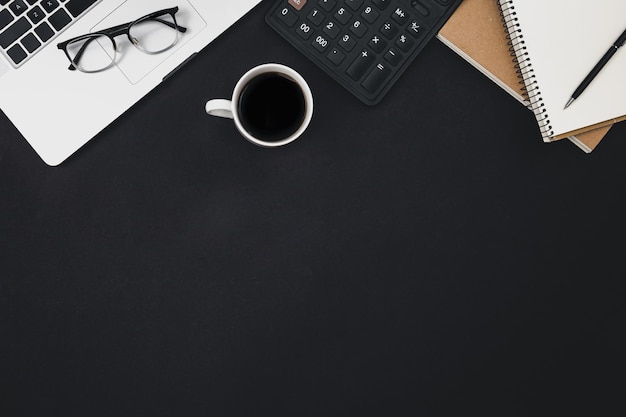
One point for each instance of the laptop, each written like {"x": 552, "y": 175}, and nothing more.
{"x": 58, "y": 110}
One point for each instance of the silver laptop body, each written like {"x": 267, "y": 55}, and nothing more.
{"x": 58, "y": 110}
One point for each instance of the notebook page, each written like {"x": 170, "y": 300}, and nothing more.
{"x": 564, "y": 40}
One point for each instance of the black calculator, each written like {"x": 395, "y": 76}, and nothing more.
{"x": 363, "y": 44}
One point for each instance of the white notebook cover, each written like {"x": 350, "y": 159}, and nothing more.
{"x": 558, "y": 42}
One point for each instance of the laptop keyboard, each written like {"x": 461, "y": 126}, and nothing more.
{"x": 26, "y": 26}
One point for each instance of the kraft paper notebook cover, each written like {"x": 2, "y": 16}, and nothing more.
{"x": 557, "y": 43}
{"x": 477, "y": 33}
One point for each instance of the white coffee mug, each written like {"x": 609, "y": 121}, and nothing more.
{"x": 271, "y": 105}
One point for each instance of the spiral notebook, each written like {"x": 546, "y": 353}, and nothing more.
{"x": 477, "y": 33}
{"x": 557, "y": 43}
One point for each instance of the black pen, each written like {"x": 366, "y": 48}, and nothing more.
{"x": 619, "y": 42}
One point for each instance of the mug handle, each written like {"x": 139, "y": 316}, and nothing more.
{"x": 220, "y": 107}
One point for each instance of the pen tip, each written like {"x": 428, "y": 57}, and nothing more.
{"x": 570, "y": 101}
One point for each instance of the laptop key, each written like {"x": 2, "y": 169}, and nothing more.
{"x": 31, "y": 43}
{"x": 26, "y": 26}
{"x": 14, "y": 32}
{"x": 44, "y": 31}
{"x": 49, "y": 5}
{"x": 76, "y": 7}
{"x": 5, "y": 18}
{"x": 59, "y": 19}
{"x": 17, "y": 54}
{"x": 35, "y": 14}
{"x": 18, "y": 7}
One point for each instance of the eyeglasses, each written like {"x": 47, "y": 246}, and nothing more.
{"x": 151, "y": 34}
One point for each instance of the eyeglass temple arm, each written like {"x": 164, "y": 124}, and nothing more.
{"x": 181, "y": 29}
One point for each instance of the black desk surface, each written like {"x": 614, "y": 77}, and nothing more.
{"x": 429, "y": 256}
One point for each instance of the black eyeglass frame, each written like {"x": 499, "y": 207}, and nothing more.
{"x": 115, "y": 31}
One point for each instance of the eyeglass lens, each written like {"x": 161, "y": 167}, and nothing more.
{"x": 154, "y": 35}
{"x": 93, "y": 53}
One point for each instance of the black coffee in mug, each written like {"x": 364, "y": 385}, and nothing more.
{"x": 272, "y": 106}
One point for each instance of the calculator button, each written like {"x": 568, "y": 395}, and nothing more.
{"x": 336, "y": 56}
{"x": 358, "y": 28}
{"x": 399, "y": 15}
{"x": 327, "y": 4}
{"x": 347, "y": 42}
{"x": 354, "y": 4}
{"x": 381, "y": 3}
{"x": 405, "y": 43}
{"x": 415, "y": 28}
{"x": 389, "y": 29}
{"x": 297, "y": 4}
{"x": 393, "y": 57}
{"x": 316, "y": 17}
{"x": 369, "y": 14}
{"x": 362, "y": 62}
{"x": 420, "y": 7}
{"x": 304, "y": 31}
{"x": 377, "y": 43}
{"x": 287, "y": 16}
{"x": 331, "y": 29}
{"x": 342, "y": 15}
{"x": 376, "y": 77}
{"x": 320, "y": 43}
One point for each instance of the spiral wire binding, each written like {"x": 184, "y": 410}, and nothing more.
{"x": 524, "y": 68}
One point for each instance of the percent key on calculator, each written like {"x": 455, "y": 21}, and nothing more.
{"x": 365, "y": 45}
